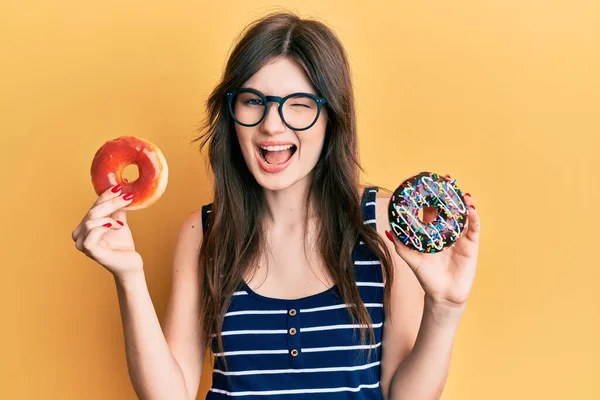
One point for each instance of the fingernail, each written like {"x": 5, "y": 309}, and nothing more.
{"x": 107, "y": 225}
{"x": 467, "y": 194}
{"x": 389, "y": 236}
{"x": 116, "y": 188}
{"x": 472, "y": 206}
{"x": 120, "y": 223}
{"x": 128, "y": 196}
{"x": 447, "y": 176}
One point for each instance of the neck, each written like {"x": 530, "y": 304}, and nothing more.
{"x": 287, "y": 206}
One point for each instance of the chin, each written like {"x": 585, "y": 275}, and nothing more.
{"x": 274, "y": 183}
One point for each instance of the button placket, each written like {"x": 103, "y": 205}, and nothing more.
{"x": 293, "y": 336}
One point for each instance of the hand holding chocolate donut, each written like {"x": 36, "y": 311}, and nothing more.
{"x": 441, "y": 249}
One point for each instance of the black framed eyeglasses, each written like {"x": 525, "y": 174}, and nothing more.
{"x": 298, "y": 111}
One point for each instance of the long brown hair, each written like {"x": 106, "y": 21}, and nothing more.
{"x": 234, "y": 239}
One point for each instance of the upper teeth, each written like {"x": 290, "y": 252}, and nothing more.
{"x": 276, "y": 148}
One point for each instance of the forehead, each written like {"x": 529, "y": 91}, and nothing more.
{"x": 280, "y": 77}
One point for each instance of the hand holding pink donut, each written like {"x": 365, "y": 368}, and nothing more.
{"x": 104, "y": 235}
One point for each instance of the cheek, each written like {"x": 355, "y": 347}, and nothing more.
{"x": 243, "y": 137}
{"x": 313, "y": 145}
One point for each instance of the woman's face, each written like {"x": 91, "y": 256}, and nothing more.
{"x": 279, "y": 167}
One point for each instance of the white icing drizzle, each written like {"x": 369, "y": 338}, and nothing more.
{"x": 443, "y": 201}
{"x": 461, "y": 208}
{"x": 444, "y": 197}
{"x": 438, "y": 243}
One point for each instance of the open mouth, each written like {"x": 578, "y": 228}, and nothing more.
{"x": 275, "y": 155}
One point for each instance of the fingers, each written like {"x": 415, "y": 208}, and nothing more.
{"x": 474, "y": 223}
{"x": 110, "y": 193}
{"x": 120, "y": 215}
{"x": 105, "y": 209}
{"x": 408, "y": 255}
{"x": 92, "y": 224}
{"x": 107, "y": 203}
{"x": 90, "y": 244}
{"x": 468, "y": 199}
{"x": 105, "y": 221}
{"x": 108, "y": 207}
{"x": 474, "y": 226}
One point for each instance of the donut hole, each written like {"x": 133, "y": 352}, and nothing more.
{"x": 428, "y": 214}
{"x": 130, "y": 173}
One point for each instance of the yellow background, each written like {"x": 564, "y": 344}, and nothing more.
{"x": 502, "y": 95}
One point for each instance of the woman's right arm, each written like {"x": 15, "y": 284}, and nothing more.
{"x": 162, "y": 363}
{"x": 165, "y": 363}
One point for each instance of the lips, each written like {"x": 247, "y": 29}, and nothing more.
{"x": 273, "y": 168}
{"x": 281, "y": 153}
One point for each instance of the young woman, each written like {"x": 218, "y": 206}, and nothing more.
{"x": 287, "y": 278}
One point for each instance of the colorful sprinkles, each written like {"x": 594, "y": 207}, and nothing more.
{"x": 428, "y": 189}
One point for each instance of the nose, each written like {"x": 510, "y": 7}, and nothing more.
{"x": 272, "y": 124}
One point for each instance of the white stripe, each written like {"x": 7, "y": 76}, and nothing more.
{"x": 372, "y": 191}
{"x": 309, "y": 329}
{"x": 370, "y": 221}
{"x": 343, "y": 326}
{"x": 336, "y": 348}
{"x": 367, "y": 262}
{"x": 208, "y": 211}
{"x": 255, "y": 332}
{"x": 252, "y": 312}
{"x": 361, "y": 242}
{"x": 307, "y": 310}
{"x": 336, "y": 307}
{"x": 244, "y": 352}
{"x": 370, "y": 203}
{"x": 304, "y": 350}
{"x": 297, "y": 391}
{"x": 296, "y": 371}
{"x": 241, "y": 293}
{"x": 374, "y": 284}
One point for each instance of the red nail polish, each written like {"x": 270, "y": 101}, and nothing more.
{"x": 128, "y": 196}
{"x": 467, "y": 194}
{"x": 107, "y": 225}
{"x": 389, "y": 236}
{"x": 116, "y": 188}
{"x": 472, "y": 206}
{"x": 447, "y": 176}
{"x": 120, "y": 223}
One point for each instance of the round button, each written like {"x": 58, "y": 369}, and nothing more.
{"x": 292, "y": 331}
{"x": 294, "y": 353}
{"x": 292, "y": 312}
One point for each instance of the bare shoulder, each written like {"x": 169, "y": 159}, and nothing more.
{"x": 188, "y": 242}
{"x": 185, "y": 257}
{"x": 190, "y": 231}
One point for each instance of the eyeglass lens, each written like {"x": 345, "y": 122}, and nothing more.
{"x": 298, "y": 111}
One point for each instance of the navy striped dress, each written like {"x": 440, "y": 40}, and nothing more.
{"x": 304, "y": 348}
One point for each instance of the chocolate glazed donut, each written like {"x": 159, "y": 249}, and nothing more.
{"x": 428, "y": 190}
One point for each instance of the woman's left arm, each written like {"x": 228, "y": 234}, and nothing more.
{"x": 429, "y": 296}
